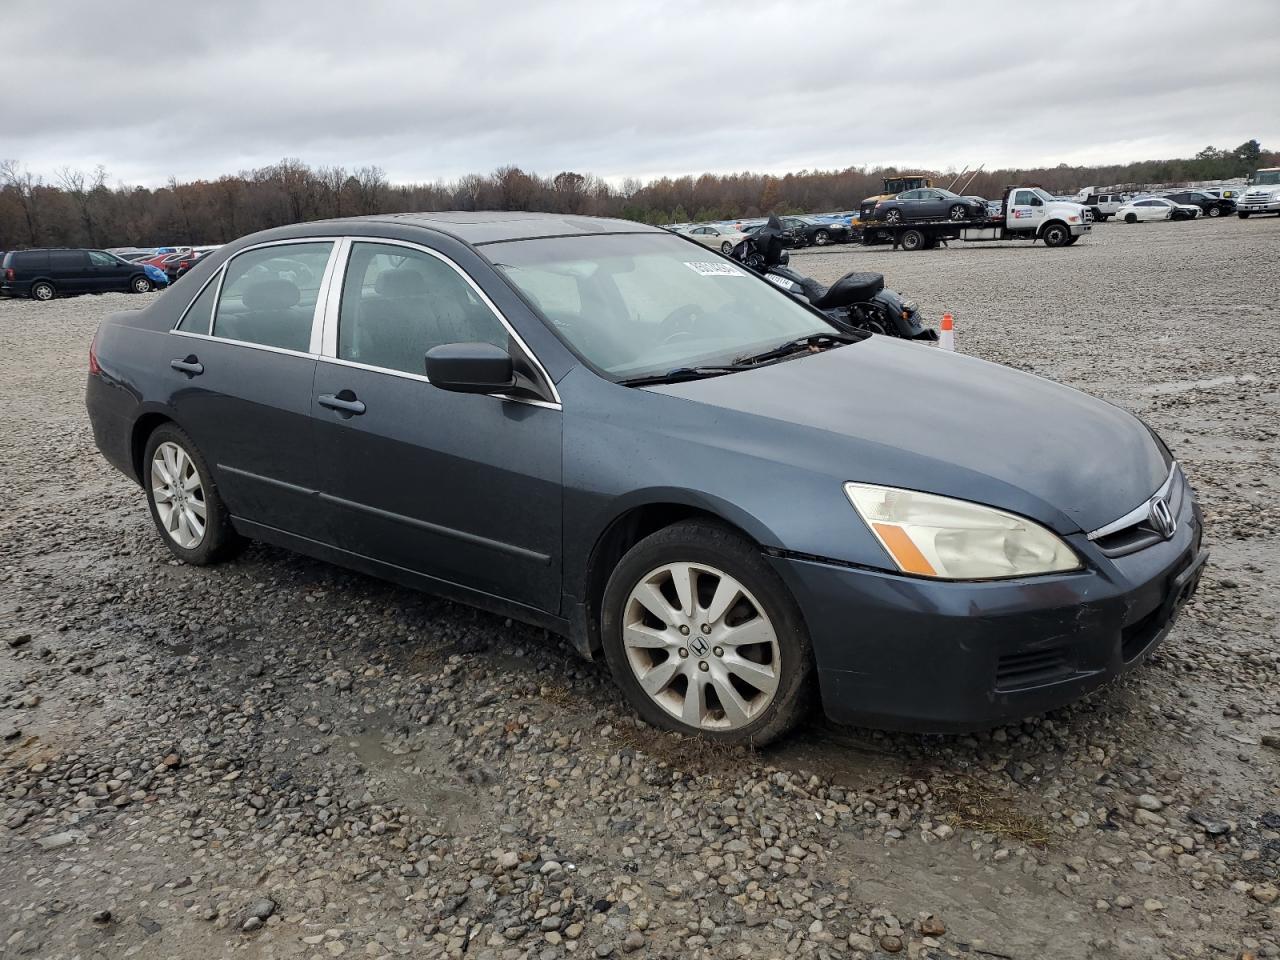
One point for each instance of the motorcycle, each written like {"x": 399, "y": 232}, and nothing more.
{"x": 855, "y": 302}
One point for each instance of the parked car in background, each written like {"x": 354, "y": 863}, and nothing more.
{"x": 177, "y": 265}
{"x": 1103, "y": 206}
{"x": 43, "y": 274}
{"x": 1209, "y": 206}
{"x": 718, "y": 237}
{"x": 1156, "y": 208}
{"x": 811, "y": 230}
{"x": 929, "y": 203}
{"x": 158, "y": 276}
{"x": 657, "y": 458}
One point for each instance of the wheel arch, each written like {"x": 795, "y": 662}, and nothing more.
{"x": 143, "y": 427}
{"x": 628, "y": 527}
{"x": 1056, "y": 221}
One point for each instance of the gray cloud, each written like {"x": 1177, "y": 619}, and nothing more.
{"x": 431, "y": 90}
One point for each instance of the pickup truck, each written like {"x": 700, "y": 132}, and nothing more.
{"x": 1262, "y": 195}
{"x": 1026, "y": 213}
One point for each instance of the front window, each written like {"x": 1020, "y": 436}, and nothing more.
{"x": 1046, "y": 197}
{"x": 1267, "y": 177}
{"x": 637, "y": 305}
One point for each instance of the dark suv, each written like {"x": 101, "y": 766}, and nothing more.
{"x": 49, "y": 273}
{"x": 1211, "y": 205}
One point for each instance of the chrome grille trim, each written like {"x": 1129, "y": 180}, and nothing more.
{"x": 1141, "y": 511}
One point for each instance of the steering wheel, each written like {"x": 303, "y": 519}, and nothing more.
{"x": 678, "y": 323}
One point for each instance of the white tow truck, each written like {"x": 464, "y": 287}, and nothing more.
{"x": 1026, "y": 213}
{"x": 1262, "y": 194}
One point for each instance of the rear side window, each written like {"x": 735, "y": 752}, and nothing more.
{"x": 199, "y": 316}
{"x": 398, "y": 303}
{"x": 67, "y": 259}
{"x": 269, "y": 295}
{"x": 99, "y": 259}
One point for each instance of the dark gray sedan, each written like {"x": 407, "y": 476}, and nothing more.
{"x": 609, "y": 431}
{"x": 930, "y": 203}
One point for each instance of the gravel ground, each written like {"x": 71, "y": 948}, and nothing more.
{"x": 278, "y": 758}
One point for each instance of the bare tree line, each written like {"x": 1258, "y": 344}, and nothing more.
{"x": 76, "y": 208}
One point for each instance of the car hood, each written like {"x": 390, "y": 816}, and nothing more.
{"x": 902, "y": 414}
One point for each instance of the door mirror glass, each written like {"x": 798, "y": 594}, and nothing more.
{"x": 470, "y": 368}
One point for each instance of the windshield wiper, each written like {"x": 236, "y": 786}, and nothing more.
{"x": 795, "y": 346}
{"x": 683, "y": 373}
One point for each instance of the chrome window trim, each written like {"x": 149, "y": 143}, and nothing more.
{"x": 220, "y": 275}
{"x": 245, "y": 343}
{"x": 333, "y": 301}
{"x": 1140, "y": 512}
{"x": 217, "y": 275}
{"x": 422, "y": 378}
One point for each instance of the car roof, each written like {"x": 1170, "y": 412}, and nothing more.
{"x": 498, "y": 225}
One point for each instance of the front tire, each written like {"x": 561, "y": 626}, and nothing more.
{"x": 1056, "y": 235}
{"x": 43, "y": 291}
{"x": 726, "y": 248}
{"x": 1243, "y": 216}
{"x": 1130, "y": 218}
{"x": 893, "y": 216}
{"x": 141, "y": 285}
{"x": 190, "y": 515}
{"x": 1214, "y": 212}
{"x": 958, "y": 213}
{"x": 703, "y": 637}
{"x": 822, "y": 238}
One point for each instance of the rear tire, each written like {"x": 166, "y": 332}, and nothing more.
{"x": 1130, "y": 218}
{"x": 180, "y": 487}
{"x": 1214, "y": 212}
{"x": 747, "y": 644}
{"x": 912, "y": 240}
{"x": 43, "y": 291}
{"x": 726, "y": 248}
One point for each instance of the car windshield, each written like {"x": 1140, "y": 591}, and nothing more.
{"x": 948, "y": 194}
{"x": 1267, "y": 177}
{"x": 638, "y": 305}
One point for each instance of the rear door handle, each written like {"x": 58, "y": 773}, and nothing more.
{"x": 347, "y": 404}
{"x": 189, "y": 365}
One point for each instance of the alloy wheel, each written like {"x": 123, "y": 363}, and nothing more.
{"x": 701, "y": 646}
{"x": 42, "y": 291}
{"x": 178, "y": 495}
{"x": 893, "y": 216}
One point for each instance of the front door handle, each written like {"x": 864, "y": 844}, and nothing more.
{"x": 344, "y": 402}
{"x": 189, "y": 365}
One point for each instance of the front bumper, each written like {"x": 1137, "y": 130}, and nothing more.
{"x": 1080, "y": 229}
{"x": 1271, "y": 206}
{"x": 913, "y": 654}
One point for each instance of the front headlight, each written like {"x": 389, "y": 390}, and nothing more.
{"x": 932, "y": 536}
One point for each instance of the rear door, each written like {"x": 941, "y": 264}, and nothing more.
{"x": 69, "y": 270}
{"x": 462, "y": 488}
{"x": 243, "y": 360}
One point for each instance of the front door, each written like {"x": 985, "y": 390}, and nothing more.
{"x": 107, "y": 273}
{"x": 462, "y": 488}
{"x": 1025, "y": 208}
{"x": 242, "y": 370}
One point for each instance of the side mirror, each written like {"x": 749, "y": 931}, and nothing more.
{"x": 470, "y": 368}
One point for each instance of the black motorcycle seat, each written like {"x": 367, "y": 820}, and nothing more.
{"x": 851, "y": 288}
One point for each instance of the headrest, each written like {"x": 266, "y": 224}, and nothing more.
{"x": 277, "y": 294}
{"x": 400, "y": 282}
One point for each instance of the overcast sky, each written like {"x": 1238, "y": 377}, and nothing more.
{"x": 431, "y": 89}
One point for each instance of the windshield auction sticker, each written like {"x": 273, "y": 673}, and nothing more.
{"x": 707, "y": 268}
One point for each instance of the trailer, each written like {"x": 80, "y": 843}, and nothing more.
{"x": 1026, "y": 213}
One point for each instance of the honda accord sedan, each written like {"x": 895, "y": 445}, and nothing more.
{"x": 607, "y": 430}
